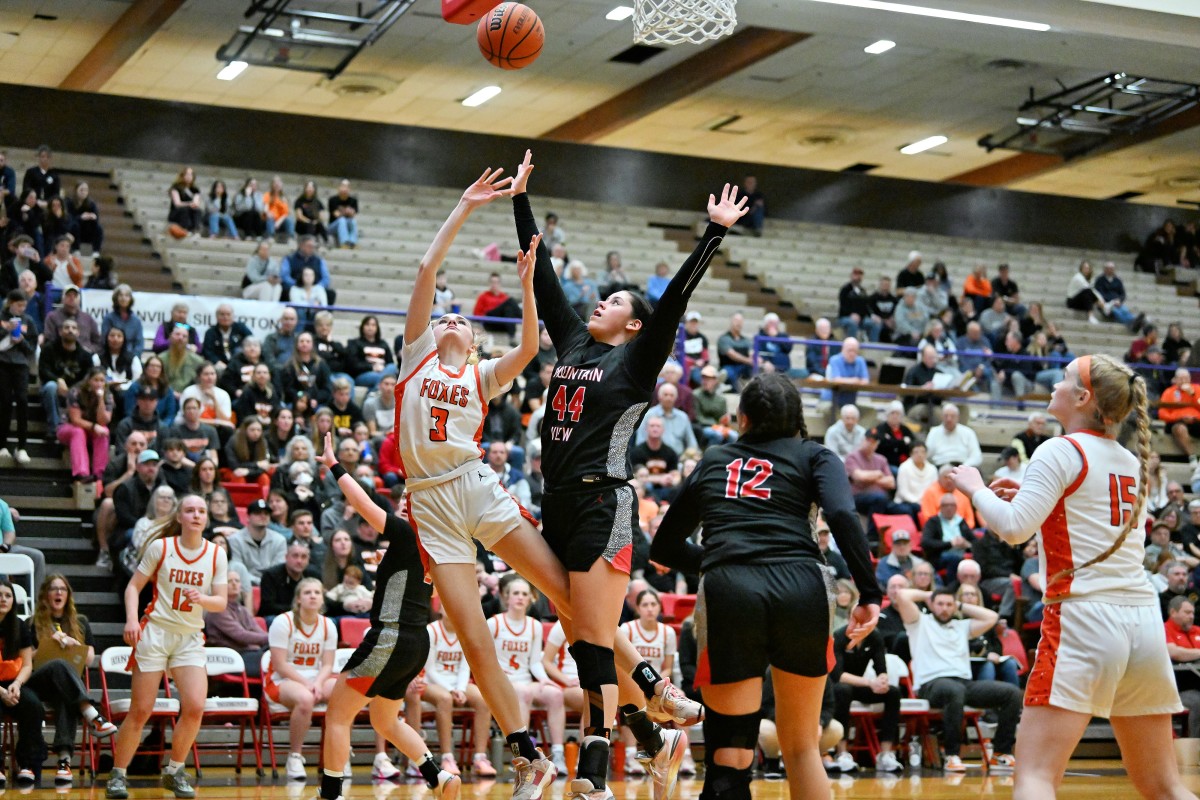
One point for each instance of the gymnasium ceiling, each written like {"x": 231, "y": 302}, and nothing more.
{"x": 821, "y": 103}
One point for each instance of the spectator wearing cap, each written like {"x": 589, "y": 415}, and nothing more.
{"x": 130, "y": 501}
{"x": 900, "y": 561}
{"x": 71, "y": 308}
{"x": 871, "y": 479}
{"x": 695, "y": 347}
{"x": 1183, "y": 645}
{"x": 854, "y": 310}
{"x": 895, "y": 439}
{"x": 846, "y": 367}
{"x": 911, "y": 275}
{"x": 817, "y": 353}
{"x": 844, "y": 438}
{"x": 946, "y": 538}
{"x": 144, "y": 418}
{"x": 1179, "y": 408}
{"x": 256, "y": 545}
{"x": 712, "y": 419}
{"x": 1011, "y": 465}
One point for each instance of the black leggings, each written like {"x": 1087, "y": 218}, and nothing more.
{"x": 889, "y": 727}
{"x": 14, "y": 389}
{"x": 28, "y": 713}
{"x": 64, "y": 691}
{"x": 1083, "y": 301}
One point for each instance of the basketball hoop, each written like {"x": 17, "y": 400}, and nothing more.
{"x": 680, "y": 21}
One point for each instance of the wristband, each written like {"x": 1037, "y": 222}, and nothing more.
{"x": 338, "y": 471}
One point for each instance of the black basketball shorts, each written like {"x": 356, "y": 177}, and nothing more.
{"x": 583, "y": 526}
{"x": 387, "y": 661}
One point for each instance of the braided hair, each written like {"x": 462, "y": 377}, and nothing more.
{"x": 772, "y": 405}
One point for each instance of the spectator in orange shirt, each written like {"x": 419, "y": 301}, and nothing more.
{"x": 932, "y": 498}
{"x": 1179, "y": 407}
{"x": 279, "y": 213}
{"x": 978, "y": 288}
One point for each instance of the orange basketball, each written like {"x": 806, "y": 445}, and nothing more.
{"x": 510, "y": 36}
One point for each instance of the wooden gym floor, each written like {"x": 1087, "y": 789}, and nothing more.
{"x": 1091, "y": 779}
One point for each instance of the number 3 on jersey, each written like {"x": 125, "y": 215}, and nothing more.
{"x": 1121, "y": 496}
{"x": 752, "y": 488}
{"x": 562, "y": 407}
{"x": 438, "y": 432}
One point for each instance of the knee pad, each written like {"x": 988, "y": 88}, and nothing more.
{"x": 725, "y": 783}
{"x": 739, "y": 732}
{"x": 596, "y": 665}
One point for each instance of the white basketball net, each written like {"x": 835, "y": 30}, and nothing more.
{"x": 680, "y": 21}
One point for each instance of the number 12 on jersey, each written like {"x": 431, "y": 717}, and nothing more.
{"x": 753, "y": 486}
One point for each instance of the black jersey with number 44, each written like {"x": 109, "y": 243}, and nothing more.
{"x": 755, "y": 500}
{"x": 598, "y": 392}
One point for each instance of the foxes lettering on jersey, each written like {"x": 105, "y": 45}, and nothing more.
{"x": 438, "y": 405}
{"x": 446, "y": 665}
{"x": 516, "y": 646}
{"x": 654, "y": 648}
{"x": 173, "y": 570}
{"x": 305, "y": 648}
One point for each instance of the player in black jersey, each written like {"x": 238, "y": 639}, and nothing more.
{"x": 601, "y": 386}
{"x": 765, "y": 597}
{"x": 392, "y": 652}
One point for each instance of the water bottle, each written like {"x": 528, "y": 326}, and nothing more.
{"x": 16, "y": 332}
{"x": 499, "y": 753}
{"x": 914, "y": 752}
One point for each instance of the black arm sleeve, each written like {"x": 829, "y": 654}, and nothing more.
{"x": 671, "y": 546}
{"x": 646, "y": 354}
{"x": 562, "y": 323}
{"x": 879, "y": 654}
{"x": 833, "y": 489}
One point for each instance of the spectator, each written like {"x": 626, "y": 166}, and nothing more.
{"x": 1031, "y": 581}
{"x": 443, "y": 298}
{"x": 975, "y": 354}
{"x": 846, "y": 368}
{"x": 1011, "y": 465}
{"x": 1111, "y": 291}
{"x": 187, "y": 202}
{"x": 307, "y": 292}
{"x": 932, "y": 498}
{"x": 181, "y": 364}
{"x": 883, "y": 306}
{"x": 854, "y": 309}
{"x": 503, "y": 423}
{"x": 179, "y": 316}
{"x": 279, "y": 580}
{"x": 42, "y": 179}
{"x": 255, "y": 546}
{"x": 303, "y": 530}
{"x": 35, "y": 307}
{"x": 223, "y": 340}
{"x": 130, "y": 501}
{"x": 895, "y": 439}
{"x": 263, "y": 276}
{"x": 215, "y": 406}
{"x": 235, "y": 628}
{"x": 911, "y": 274}
{"x": 56, "y": 225}
{"x": 911, "y": 318}
{"x": 1028, "y": 440}
{"x": 88, "y": 412}
{"x": 1081, "y": 294}
{"x": 1177, "y": 586}
{"x": 733, "y": 352}
{"x": 199, "y": 439}
{"x": 1006, "y": 288}
{"x": 18, "y": 342}
{"x": 368, "y": 357}
{"x": 87, "y": 332}
{"x": 143, "y": 417}
{"x": 1013, "y": 370}
{"x": 379, "y": 409}
{"x": 1139, "y": 347}
{"x": 844, "y": 439}
{"x": 1179, "y": 408}
{"x": 277, "y": 347}
{"x": 978, "y": 289}
{"x": 580, "y": 290}
{"x": 510, "y": 478}
{"x": 343, "y": 216}
{"x": 1156, "y": 483}
{"x": 677, "y": 428}
{"x": 218, "y": 209}
{"x": 1174, "y": 343}
{"x": 495, "y": 302}
{"x": 947, "y": 351}
{"x": 67, "y": 269}
{"x": 776, "y": 355}
{"x": 305, "y": 380}
{"x": 333, "y": 352}
{"x": 900, "y": 561}
{"x": 8, "y": 542}
{"x": 246, "y": 453}
{"x": 941, "y": 668}
{"x": 123, "y": 316}
{"x": 816, "y": 356}
{"x": 8, "y": 178}
{"x": 279, "y": 219}
{"x": 712, "y": 410}
{"x": 346, "y": 413}
{"x": 657, "y": 283}
{"x": 309, "y": 211}
{"x": 946, "y": 538}
{"x": 162, "y": 506}
{"x": 249, "y": 211}
{"x": 154, "y": 376}
{"x": 21, "y": 704}
{"x": 871, "y": 479}
{"x": 657, "y": 457}
{"x": 757, "y": 206}
{"x": 1183, "y": 645}
{"x": 932, "y": 296}
{"x": 850, "y": 684}
{"x": 953, "y": 443}
{"x": 176, "y": 469}
{"x": 924, "y": 375}
{"x": 915, "y": 475}
{"x": 615, "y": 279}
{"x": 835, "y": 565}
{"x": 988, "y": 661}
{"x": 292, "y": 270}
{"x": 62, "y": 364}
{"x": 994, "y": 320}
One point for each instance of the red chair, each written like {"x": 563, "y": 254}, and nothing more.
{"x": 166, "y": 708}
{"x": 262, "y": 623}
{"x": 886, "y": 523}
{"x": 1011, "y": 645}
{"x": 226, "y": 666}
{"x": 351, "y": 630}
{"x": 243, "y": 494}
{"x": 255, "y": 598}
{"x": 684, "y": 606}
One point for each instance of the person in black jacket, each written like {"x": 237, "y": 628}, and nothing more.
{"x": 368, "y": 358}
{"x": 333, "y": 353}
{"x": 305, "y": 378}
{"x": 946, "y": 537}
{"x": 277, "y": 587}
{"x": 850, "y": 683}
{"x": 223, "y": 340}
{"x": 18, "y": 340}
{"x": 63, "y": 364}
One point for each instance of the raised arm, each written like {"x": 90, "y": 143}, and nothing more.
{"x": 671, "y": 546}
{"x": 511, "y": 363}
{"x": 375, "y": 516}
{"x": 420, "y": 305}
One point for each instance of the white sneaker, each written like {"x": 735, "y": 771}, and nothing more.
{"x": 559, "y": 761}
{"x": 383, "y": 768}
{"x": 104, "y": 561}
{"x": 295, "y": 767}
{"x": 6, "y": 458}
{"x": 22, "y": 458}
{"x": 348, "y": 770}
{"x": 448, "y": 764}
{"x": 688, "y": 765}
{"x": 664, "y": 767}
{"x": 448, "y": 786}
{"x": 845, "y": 762}
{"x": 670, "y": 704}
{"x": 887, "y": 762}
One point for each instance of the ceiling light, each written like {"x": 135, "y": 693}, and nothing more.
{"x": 231, "y": 70}
{"x": 904, "y": 8}
{"x": 923, "y": 145}
{"x": 619, "y": 13}
{"x": 482, "y": 96}
{"x": 882, "y": 46}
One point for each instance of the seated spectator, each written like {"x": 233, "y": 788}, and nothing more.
{"x": 677, "y": 428}
{"x": 18, "y": 342}
{"x": 657, "y": 283}
{"x": 263, "y": 275}
{"x": 1006, "y": 289}
{"x": 854, "y": 309}
{"x": 282, "y": 430}
{"x": 895, "y": 439}
{"x": 66, "y": 268}
{"x": 56, "y": 224}
{"x": 1179, "y": 408}
{"x": 1177, "y": 586}
{"x": 305, "y": 379}
{"x": 947, "y": 350}
{"x": 733, "y": 352}
{"x": 235, "y": 628}
{"x": 1014, "y": 373}
{"x": 257, "y": 547}
{"x": 1183, "y": 645}
{"x": 176, "y": 469}
{"x": 88, "y": 332}
{"x": 340, "y": 556}
{"x": 29, "y": 219}
{"x": 615, "y": 279}
{"x": 900, "y": 561}
{"x": 246, "y": 452}
{"x": 143, "y": 417}
{"x": 553, "y": 233}
{"x": 85, "y": 415}
{"x": 994, "y": 320}
{"x": 333, "y": 352}
{"x": 162, "y": 506}
{"x": 511, "y": 478}
{"x": 123, "y": 316}
{"x": 249, "y": 212}
{"x": 1011, "y": 465}
{"x": 1028, "y": 440}
{"x": 978, "y": 290}
{"x": 343, "y": 216}
{"x": 180, "y": 363}
{"x": 1081, "y": 294}
{"x": 1111, "y": 299}
{"x": 883, "y": 306}
{"x": 910, "y": 319}
{"x": 291, "y": 272}
{"x": 946, "y": 539}
{"x": 1174, "y": 343}
{"x": 871, "y": 479}
{"x": 62, "y": 364}
{"x": 911, "y": 274}
{"x": 206, "y": 477}
{"x": 218, "y": 210}
{"x": 503, "y": 424}
{"x": 307, "y": 292}
{"x": 952, "y": 443}
{"x": 658, "y": 458}
{"x": 1140, "y": 345}
{"x": 816, "y": 356}
{"x": 346, "y": 413}
{"x": 35, "y": 307}
{"x": 368, "y": 357}
{"x": 154, "y": 376}
{"x": 932, "y": 296}
{"x": 278, "y": 581}
{"x": 988, "y": 661}
{"x": 932, "y": 498}
{"x": 179, "y": 316}
{"x": 757, "y": 209}
{"x": 843, "y": 439}
{"x": 215, "y": 406}
{"x": 924, "y": 375}
{"x": 309, "y": 213}
{"x": 495, "y": 302}
{"x": 277, "y": 347}
{"x": 379, "y": 409}
{"x": 847, "y": 368}
{"x": 776, "y": 355}
{"x": 914, "y": 475}
{"x": 223, "y": 340}
{"x": 199, "y": 438}
{"x": 975, "y": 354}
{"x": 303, "y": 530}
{"x": 941, "y": 669}
{"x": 278, "y": 215}
{"x": 187, "y": 203}
{"x": 580, "y": 290}
{"x": 351, "y": 589}
{"x": 85, "y": 218}
{"x": 712, "y": 421}
{"x": 850, "y": 684}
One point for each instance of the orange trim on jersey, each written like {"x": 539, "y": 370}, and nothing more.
{"x": 445, "y": 635}
{"x": 484, "y": 408}
{"x": 178, "y": 552}
{"x": 1056, "y": 538}
{"x": 1041, "y": 677}
{"x": 1075, "y": 484}
{"x": 637, "y": 626}
{"x": 154, "y": 584}
{"x": 524, "y": 626}
{"x": 132, "y": 662}
{"x": 398, "y": 395}
{"x": 451, "y": 373}
{"x": 214, "y": 571}
{"x": 300, "y": 626}
{"x": 1096, "y": 433}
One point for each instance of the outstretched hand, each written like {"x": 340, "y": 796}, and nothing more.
{"x": 522, "y": 180}
{"x": 527, "y": 261}
{"x": 327, "y": 457}
{"x": 730, "y": 209}
{"x": 489, "y": 186}
{"x": 863, "y": 620}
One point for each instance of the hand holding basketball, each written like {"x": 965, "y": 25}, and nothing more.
{"x": 487, "y": 188}
{"x": 863, "y": 620}
{"x": 526, "y": 263}
{"x": 522, "y": 180}
{"x": 729, "y": 210}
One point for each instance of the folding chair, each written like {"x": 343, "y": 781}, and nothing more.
{"x": 351, "y": 630}
{"x": 227, "y": 663}
{"x": 19, "y": 569}
{"x": 272, "y": 712}
{"x": 887, "y": 523}
{"x": 166, "y": 708}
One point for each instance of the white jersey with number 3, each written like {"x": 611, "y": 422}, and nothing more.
{"x": 439, "y": 411}
{"x": 173, "y": 570}
{"x": 654, "y": 648}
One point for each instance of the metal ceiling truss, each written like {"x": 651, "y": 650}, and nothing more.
{"x": 1078, "y": 119}
{"x": 323, "y": 36}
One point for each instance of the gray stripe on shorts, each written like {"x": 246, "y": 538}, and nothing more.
{"x": 622, "y": 531}
{"x": 389, "y": 618}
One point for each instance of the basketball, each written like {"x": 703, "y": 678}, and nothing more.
{"x": 510, "y": 36}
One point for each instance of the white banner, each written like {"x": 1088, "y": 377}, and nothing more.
{"x": 155, "y": 308}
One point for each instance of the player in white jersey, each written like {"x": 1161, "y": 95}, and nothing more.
{"x": 1102, "y": 651}
{"x": 303, "y": 645}
{"x": 445, "y": 684}
{"x": 519, "y": 642}
{"x": 655, "y": 643}
{"x": 189, "y": 577}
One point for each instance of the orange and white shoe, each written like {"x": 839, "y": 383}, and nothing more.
{"x": 670, "y": 704}
{"x": 1002, "y": 763}
{"x": 954, "y": 764}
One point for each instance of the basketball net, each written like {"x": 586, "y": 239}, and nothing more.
{"x": 680, "y": 21}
